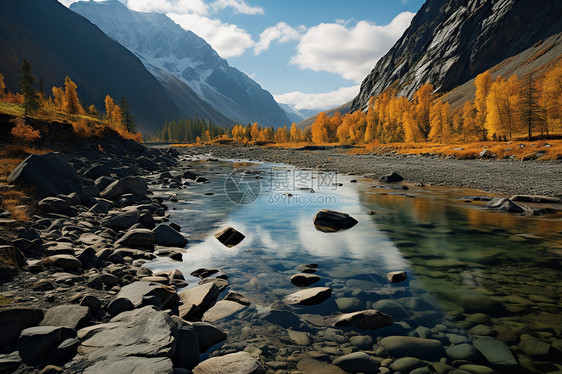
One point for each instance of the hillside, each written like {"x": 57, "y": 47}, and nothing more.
{"x": 38, "y": 31}
{"x": 174, "y": 55}
{"x": 449, "y": 42}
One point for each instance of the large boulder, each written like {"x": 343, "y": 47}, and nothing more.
{"x": 309, "y": 296}
{"x": 39, "y": 344}
{"x": 139, "y": 290}
{"x": 69, "y": 315}
{"x": 165, "y": 235}
{"x": 495, "y": 351}
{"x": 221, "y": 310}
{"x": 54, "y": 205}
{"x": 122, "y": 221}
{"x": 327, "y": 220}
{"x": 134, "y": 185}
{"x": 234, "y": 363}
{"x": 48, "y": 175}
{"x": 207, "y": 335}
{"x": 132, "y": 365}
{"x": 369, "y": 319}
{"x": 304, "y": 279}
{"x": 137, "y": 238}
{"x": 144, "y": 332}
{"x": 66, "y": 262}
{"x": 357, "y": 362}
{"x": 14, "y": 320}
{"x": 187, "y": 348}
{"x": 229, "y": 236}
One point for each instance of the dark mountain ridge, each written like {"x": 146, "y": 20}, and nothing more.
{"x": 449, "y": 42}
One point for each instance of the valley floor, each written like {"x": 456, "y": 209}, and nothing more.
{"x": 490, "y": 175}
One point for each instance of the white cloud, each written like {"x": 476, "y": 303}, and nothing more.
{"x": 281, "y": 33}
{"x": 326, "y": 100}
{"x": 350, "y": 52}
{"x": 227, "y": 39}
{"x": 239, "y": 6}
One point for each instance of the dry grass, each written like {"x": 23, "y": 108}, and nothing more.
{"x": 518, "y": 149}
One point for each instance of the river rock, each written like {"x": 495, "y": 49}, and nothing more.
{"x": 14, "y": 320}
{"x": 197, "y": 300}
{"x": 144, "y": 332}
{"x": 119, "y": 305}
{"x": 10, "y": 362}
{"x": 310, "y": 365}
{"x": 165, "y": 235}
{"x": 463, "y": 351}
{"x": 171, "y": 274}
{"x": 477, "y": 369}
{"x": 309, "y": 296}
{"x": 221, "y": 284}
{"x": 48, "y": 174}
{"x": 221, "y": 310}
{"x": 234, "y": 363}
{"x": 425, "y": 349}
{"x": 396, "y": 276}
{"x": 204, "y": 272}
{"x": 229, "y": 236}
{"x": 406, "y": 364}
{"x": 362, "y": 341}
{"x": 132, "y": 185}
{"x": 369, "y": 319}
{"x": 38, "y": 344}
{"x": 349, "y": 304}
{"x": 207, "y": 335}
{"x": 54, "y": 205}
{"x": 137, "y": 238}
{"x": 71, "y": 316}
{"x": 138, "y": 290}
{"x": 357, "y": 362}
{"x": 533, "y": 346}
{"x": 495, "y": 351}
{"x": 66, "y": 262}
{"x": 304, "y": 279}
{"x": 391, "y": 178}
{"x": 327, "y": 220}
{"x": 299, "y": 337}
{"x": 187, "y": 348}
{"x": 238, "y": 298}
{"x": 536, "y": 199}
{"x": 132, "y": 365}
{"x": 122, "y": 221}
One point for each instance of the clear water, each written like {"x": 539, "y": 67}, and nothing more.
{"x": 470, "y": 271}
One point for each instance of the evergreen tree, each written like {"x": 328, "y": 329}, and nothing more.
{"x": 127, "y": 119}
{"x": 30, "y": 98}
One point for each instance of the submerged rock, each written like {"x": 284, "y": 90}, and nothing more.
{"x": 495, "y": 351}
{"x": 309, "y": 296}
{"x": 234, "y": 363}
{"x": 304, "y": 279}
{"x": 396, "y": 276}
{"x": 369, "y": 319}
{"x": 327, "y": 220}
{"x": 425, "y": 349}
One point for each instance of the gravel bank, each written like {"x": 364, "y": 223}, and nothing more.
{"x": 506, "y": 177}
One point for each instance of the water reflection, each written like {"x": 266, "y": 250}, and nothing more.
{"x": 470, "y": 271}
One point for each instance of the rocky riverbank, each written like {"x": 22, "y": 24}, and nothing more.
{"x": 76, "y": 295}
{"x": 507, "y": 177}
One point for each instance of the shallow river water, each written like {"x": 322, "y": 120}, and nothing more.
{"x": 472, "y": 272}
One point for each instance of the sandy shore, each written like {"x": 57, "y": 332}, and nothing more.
{"x": 507, "y": 177}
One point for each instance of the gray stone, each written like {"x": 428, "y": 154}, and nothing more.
{"x": 54, "y": 205}
{"x": 197, "y": 300}
{"x": 349, "y": 304}
{"x": 477, "y": 369}
{"x": 208, "y": 335}
{"x": 143, "y": 332}
{"x": 400, "y": 346}
{"x": 38, "y": 344}
{"x": 133, "y": 185}
{"x": 165, "y": 235}
{"x": 309, "y": 296}
{"x": 362, "y": 341}
{"x": 536, "y": 199}
{"x": 396, "y": 276}
{"x": 299, "y": 337}
{"x": 234, "y": 363}
{"x": 137, "y": 238}
{"x": 136, "y": 291}
{"x": 119, "y": 305}
{"x": 14, "y": 320}
{"x": 357, "y": 362}
{"x": 533, "y": 346}
{"x": 369, "y": 319}
{"x": 10, "y": 362}
{"x": 229, "y": 236}
{"x": 66, "y": 262}
{"x": 327, "y": 220}
{"x": 304, "y": 279}
{"x": 391, "y": 178}
{"x": 71, "y": 316}
{"x": 187, "y": 347}
{"x": 406, "y": 364}
{"x": 221, "y": 310}
{"x": 310, "y": 365}
{"x": 132, "y": 365}
{"x": 495, "y": 351}
{"x": 221, "y": 284}
{"x": 48, "y": 174}
{"x": 463, "y": 351}
{"x": 122, "y": 221}
{"x": 92, "y": 302}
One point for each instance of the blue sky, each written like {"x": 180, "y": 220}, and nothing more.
{"x": 312, "y": 54}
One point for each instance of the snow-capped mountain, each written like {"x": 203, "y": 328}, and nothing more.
{"x": 168, "y": 51}
{"x": 296, "y": 115}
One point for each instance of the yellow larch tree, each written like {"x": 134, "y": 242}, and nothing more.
{"x": 255, "y": 131}
{"x": 551, "y": 96}
{"x": 58, "y": 97}
{"x": 440, "y": 120}
{"x": 483, "y": 82}
{"x": 320, "y": 129}
{"x": 71, "y": 102}
{"x": 423, "y": 99}
{"x": 294, "y": 133}
{"x": 281, "y": 135}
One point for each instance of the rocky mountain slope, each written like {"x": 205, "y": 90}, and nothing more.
{"x": 169, "y": 52}
{"x": 58, "y": 42}
{"x": 451, "y": 41}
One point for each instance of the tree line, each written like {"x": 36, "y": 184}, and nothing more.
{"x": 188, "y": 131}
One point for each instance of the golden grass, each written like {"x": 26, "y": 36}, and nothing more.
{"x": 518, "y": 149}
